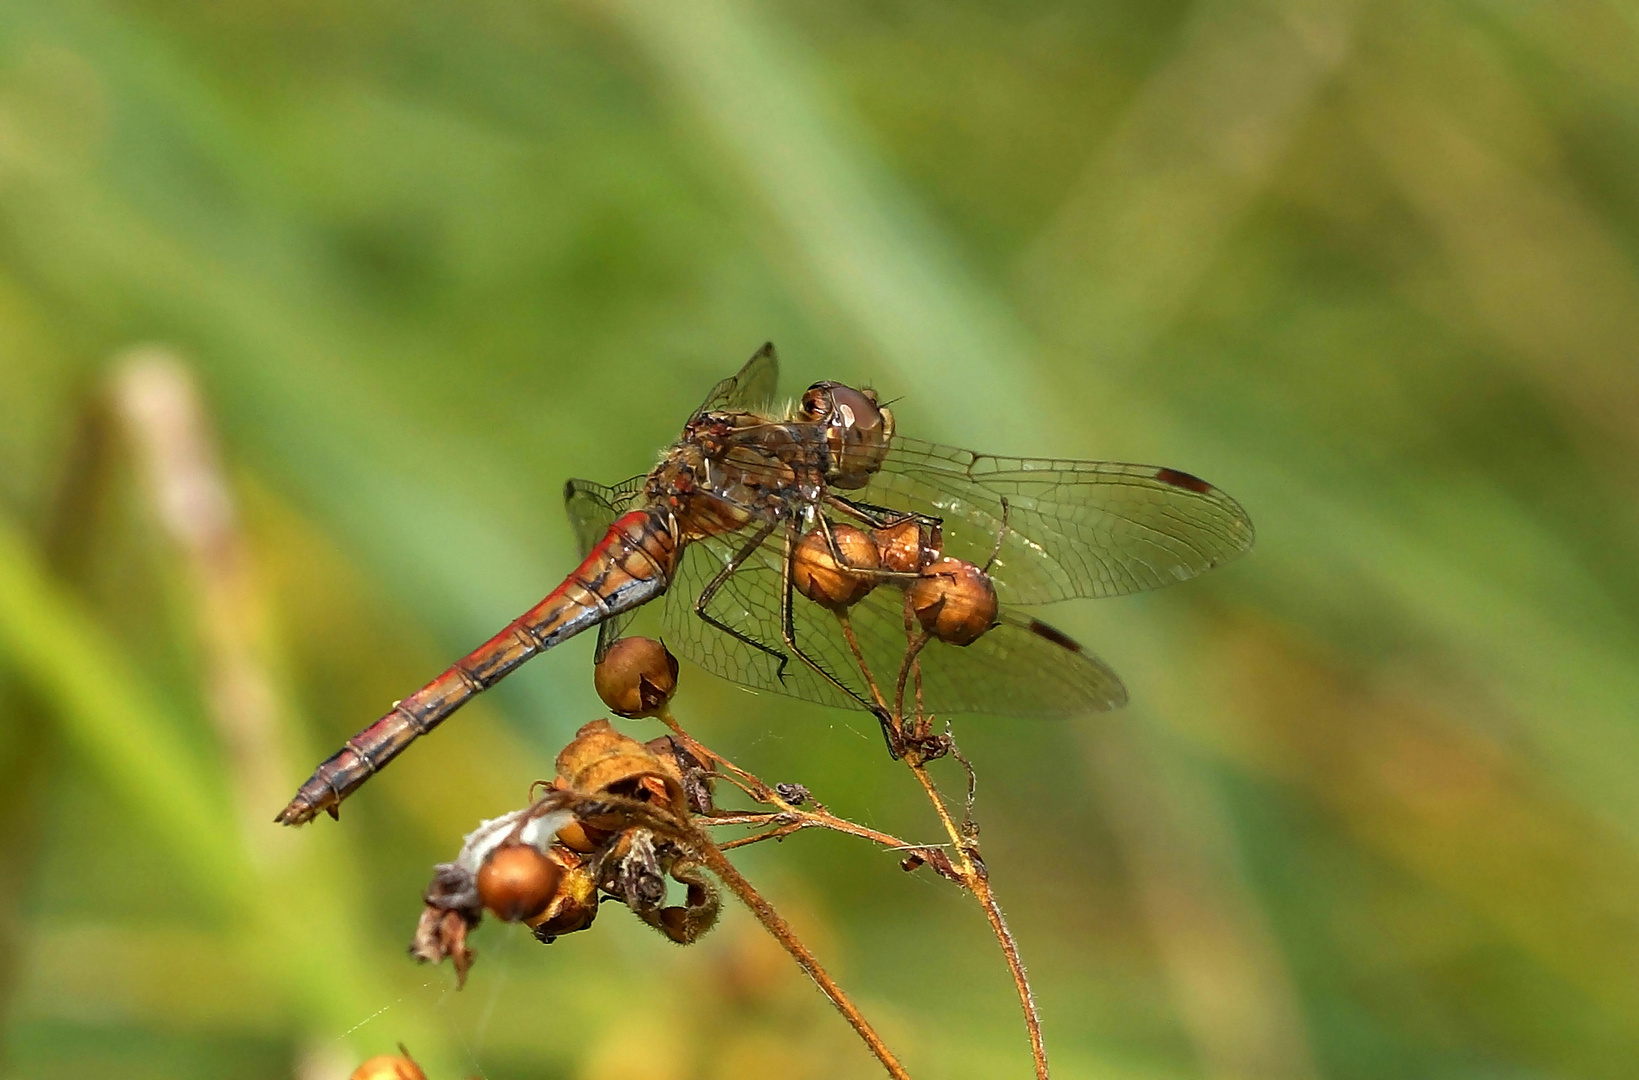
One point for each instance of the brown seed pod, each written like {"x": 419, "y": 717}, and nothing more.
{"x": 636, "y": 677}
{"x": 954, "y": 601}
{"x": 902, "y": 549}
{"x": 389, "y": 1067}
{"x": 517, "y": 882}
{"x": 575, "y": 904}
{"x": 578, "y": 838}
{"x": 817, "y": 575}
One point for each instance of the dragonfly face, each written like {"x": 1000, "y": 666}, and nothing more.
{"x": 719, "y": 526}
{"x": 858, "y": 432}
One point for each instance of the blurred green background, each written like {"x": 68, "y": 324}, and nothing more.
{"x": 1372, "y": 266}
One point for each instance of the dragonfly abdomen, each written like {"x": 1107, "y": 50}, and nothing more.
{"x": 631, "y": 565}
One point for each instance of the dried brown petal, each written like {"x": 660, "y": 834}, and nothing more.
{"x": 576, "y": 903}
{"x": 443, "y": 933}
{"x": 601, "y": 760}
{"x": 686, "y": 924}
{"x": 936, "y": 858}
{"x": 698, "y": 782}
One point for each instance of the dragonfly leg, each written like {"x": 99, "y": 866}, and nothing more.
{"x": 710, "y": 591}
{"x": 1001, "y": 534}
{"x": 788, "y": 633}
{"x": 882, "y": 517}
{"x": 878, "y": 517}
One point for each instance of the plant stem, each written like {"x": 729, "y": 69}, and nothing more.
{"x": 788, "y": 816}
{"x": 789, "y": 819}
{"x": 977, "y": 879}
{"x": 718, "y": 863}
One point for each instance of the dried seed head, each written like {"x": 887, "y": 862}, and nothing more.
{"x": 817, "y": 575}
{"x": 575, "y": 904}
{"x": 600, "y": 760}
{"x": 954, "y": 601}
{"x": 578, "y": 838}
{"x": 442, "y": 934}
{"x": 517, "y": 882}
{"x": 636, "y": 677}
{"x": 389, "y": 1067}
{"x": 902, "y": 549}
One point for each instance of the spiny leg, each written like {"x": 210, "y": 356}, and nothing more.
{"x": 1001, "y": 534}
{"x": 788, "y": 633}
{"x": 721, "y": 579}
{"x": 882, "y": 517}
{"x": 878, "y": 516}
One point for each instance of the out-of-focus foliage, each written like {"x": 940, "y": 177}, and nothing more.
{"x": 1372, "y": 267}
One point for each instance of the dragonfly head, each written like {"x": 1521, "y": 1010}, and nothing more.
{"x": 858, "y": 431}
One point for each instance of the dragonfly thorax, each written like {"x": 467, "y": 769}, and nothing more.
{"x": 730, "y": 470}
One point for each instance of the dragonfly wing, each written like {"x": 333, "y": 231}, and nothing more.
{"x": 1020, "y": 668}
{"x": 592, "y": 509}
{"x": 1071, "y": 528}
{"x": 749, "y": 390}
{"x": 748, "y": 603}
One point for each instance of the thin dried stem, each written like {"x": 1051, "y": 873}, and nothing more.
{"x": 788, "y": 818}
{"x": 771, "y": 921}
{"x": 772, "y": 834}
{"x": 968, "y": 865}
{"x": 785, "y": 812}
{"x": 912, "y": 650}
{"x": 972, "y": 871}
{"x": 865, "y": 669}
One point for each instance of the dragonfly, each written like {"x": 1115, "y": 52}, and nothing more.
{"x": 716, "y": 532}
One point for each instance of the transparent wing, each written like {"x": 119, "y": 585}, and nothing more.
{"x": 592, "y": 508}
{"x": 1072, "y": 528}
{"x": 1020, "y": 668}
{"x": 750, "y": 389}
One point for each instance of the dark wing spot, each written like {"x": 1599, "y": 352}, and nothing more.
{"x": 1183, "y": 480}
{"x": 1057, "y": 637}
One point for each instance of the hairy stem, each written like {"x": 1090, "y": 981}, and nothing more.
{"x": 977, "y": 879}
{"x": 771, "y": 920}
{"x": 787, "y": 816}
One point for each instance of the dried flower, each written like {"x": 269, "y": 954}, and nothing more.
{"x": 817, "y": 574}
{"x": 636, "y": 677}
{"x": 602, "y": 761}
{"x": 398, "y": 1066}
{"x": 954, "y": 601}
{"x": 905, "y": 547}
{"x": 517, "y": 882}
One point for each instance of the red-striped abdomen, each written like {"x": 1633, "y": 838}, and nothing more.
{"x": 631, "y": 565}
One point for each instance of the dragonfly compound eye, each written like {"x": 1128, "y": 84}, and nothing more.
{"x": 517, "y": 882}
{"x": 817, "y": 574}
{"x": 857, "y": 431}
{"x": 636, "y": 677}
{"x": 954, "y": 601}
{"x": 816, "y": 403}
{"x": 389, "y": 1067}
